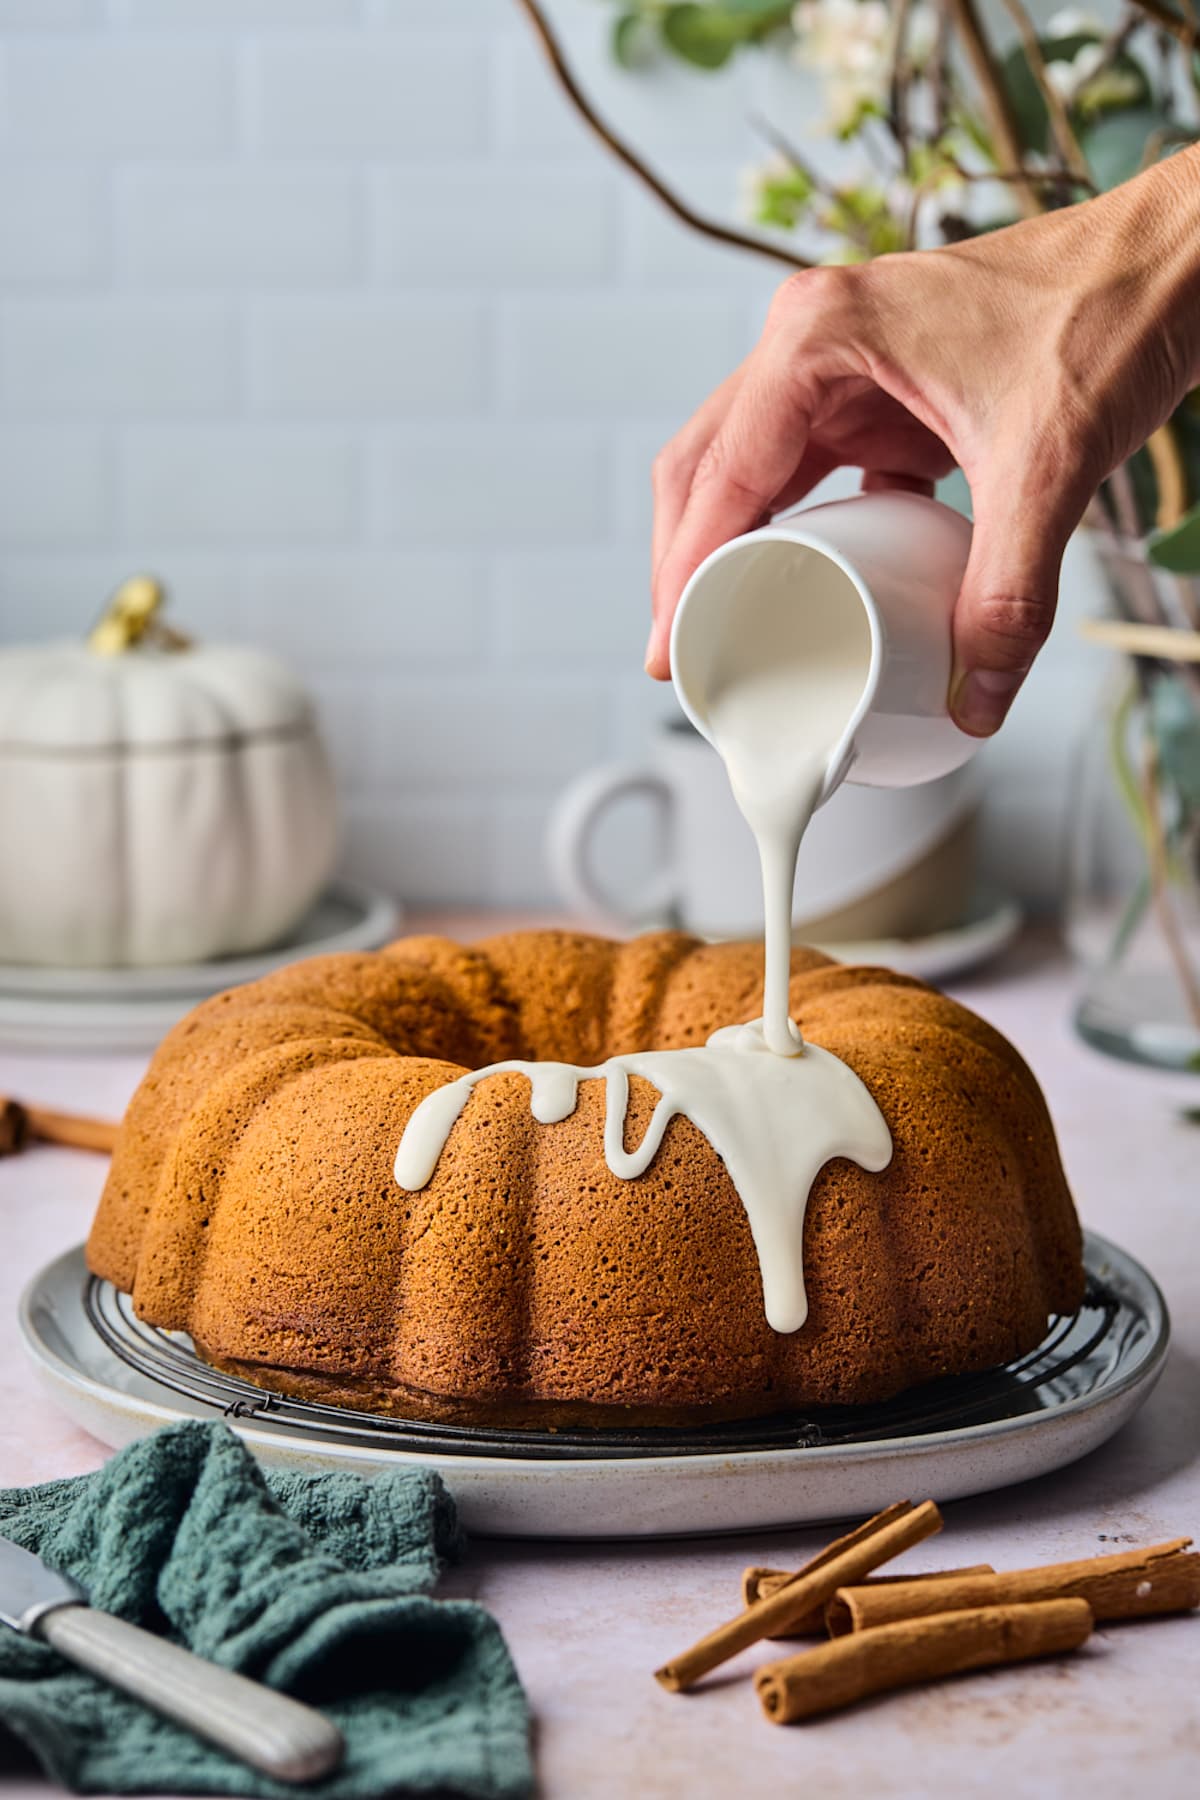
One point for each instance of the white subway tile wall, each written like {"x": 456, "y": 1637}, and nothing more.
{"x": 331, "y": 312}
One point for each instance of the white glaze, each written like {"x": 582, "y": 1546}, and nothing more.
{"x": 774, "y": 1121}
{"x": 774, "y": 1109}
{"x": 790, "y": 675}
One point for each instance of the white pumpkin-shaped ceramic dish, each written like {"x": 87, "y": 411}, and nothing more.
{"x": 160, "y": 801}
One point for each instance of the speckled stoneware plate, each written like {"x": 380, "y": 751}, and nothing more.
{"x": 119, "y": 1379}
{"x": 78, "y": 1010}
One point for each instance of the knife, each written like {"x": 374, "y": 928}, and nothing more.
{"x": 266, "y": 1729}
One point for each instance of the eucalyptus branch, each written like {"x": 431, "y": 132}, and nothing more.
{"x": 997, "y": 105}
{"x": 685, "y": 213}
{"x": 1056, "y": 110}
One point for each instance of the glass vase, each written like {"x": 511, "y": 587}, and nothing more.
{"x": 1133, "y": 888}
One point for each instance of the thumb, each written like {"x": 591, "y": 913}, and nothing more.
{"x": 1005, "y": 608}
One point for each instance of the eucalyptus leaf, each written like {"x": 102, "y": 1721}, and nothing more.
{"x": 1116, "y": 146}
{"x": 761, "y": 15}
{"x": 705, "y": 36}
{"x": 1025, "y": 96}
{"x": 631, "y": 40}
{"x": 1179, "y": 548}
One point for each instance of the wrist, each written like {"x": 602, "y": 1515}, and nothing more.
{"x": 1155, "y": 239}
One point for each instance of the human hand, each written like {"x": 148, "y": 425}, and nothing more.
{"x": 1037, "y": 358}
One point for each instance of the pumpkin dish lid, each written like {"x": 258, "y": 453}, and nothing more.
{"x": 56, "y": 698}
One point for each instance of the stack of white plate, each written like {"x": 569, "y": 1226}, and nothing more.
{"x": 130, "y": 1009}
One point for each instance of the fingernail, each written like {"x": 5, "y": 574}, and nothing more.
{"x": 981, "y": 699}
{"x": 651, "y": 649}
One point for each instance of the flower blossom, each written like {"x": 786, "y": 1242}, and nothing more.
{"x": 1069, "y": 78}
{"x": 851, "y": 44}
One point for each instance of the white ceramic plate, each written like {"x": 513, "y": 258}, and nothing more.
{"x": 990, "y": 926}
{"x": 130, "y": 1009}
{"x": 119, "y": 1380}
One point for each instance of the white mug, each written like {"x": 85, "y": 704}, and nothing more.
{"x": 901, "y": 557}
{"x": 872, "y": 865}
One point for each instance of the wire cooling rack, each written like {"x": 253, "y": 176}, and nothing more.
{"x": 1077, "y": 1355}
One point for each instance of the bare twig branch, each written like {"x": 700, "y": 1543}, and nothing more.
{"x": 1056, "y": 110}
{"x": 898, "y": 79}
{"x": 997, "y": 106}
{"x": 939, "y": 72}
{"x": 780, "y": 142}
{"x": 686, "y": 214}
{"x": 1114, "y": 44}
{"x": 1051, "y": 178}
{"x": 1187, "y": 31}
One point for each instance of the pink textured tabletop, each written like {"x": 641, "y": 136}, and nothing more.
{"x": 588, "y": 1624}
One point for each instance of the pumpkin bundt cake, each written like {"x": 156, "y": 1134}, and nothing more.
{"x": 253, "y": 1200}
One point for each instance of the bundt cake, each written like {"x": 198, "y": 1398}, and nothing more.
{"x": 253, "y": 1199}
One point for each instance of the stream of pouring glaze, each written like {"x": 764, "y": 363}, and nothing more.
{"x": 773, "y": 1108}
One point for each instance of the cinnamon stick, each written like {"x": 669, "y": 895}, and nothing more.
{"x": 913, "y": 1650}
{"x": 20, "y": 1123}
{"x": 1131, "y": 1585}
{"x": 759, "y": 1584}
{"x": 895, "y": 1529}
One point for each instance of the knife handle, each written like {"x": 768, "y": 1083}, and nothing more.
{"x": 266, "y": 1729}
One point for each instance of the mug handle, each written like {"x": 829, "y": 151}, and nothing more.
{"x": 573, "y": 820}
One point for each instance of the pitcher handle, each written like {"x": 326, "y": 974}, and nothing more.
{"x": 573, "y": 821}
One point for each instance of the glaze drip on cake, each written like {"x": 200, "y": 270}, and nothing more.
{"x": 774, "y": 1121}
{"x": 774, "y": 1109}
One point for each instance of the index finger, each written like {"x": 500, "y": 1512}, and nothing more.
{"x": 747, "y": 464}
{"x": 675, "y": 465}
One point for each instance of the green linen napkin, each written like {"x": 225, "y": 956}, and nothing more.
{"x": 317, "y": 1584}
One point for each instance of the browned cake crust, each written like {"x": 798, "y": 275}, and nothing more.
{"x": 252, "y": 1201}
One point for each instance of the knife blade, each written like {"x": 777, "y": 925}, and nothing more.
{"x": 262, "y": 1727}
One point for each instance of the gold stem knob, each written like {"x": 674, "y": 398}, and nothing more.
{"x": 132, "y": 617}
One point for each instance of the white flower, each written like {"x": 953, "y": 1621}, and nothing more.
{"x": 836, "y": 35}
{"x": 921, "y": 34}
{"x": 1068, "y": 78}
{"x": 851, "y": 43}
{"x": 848, "y": 42}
